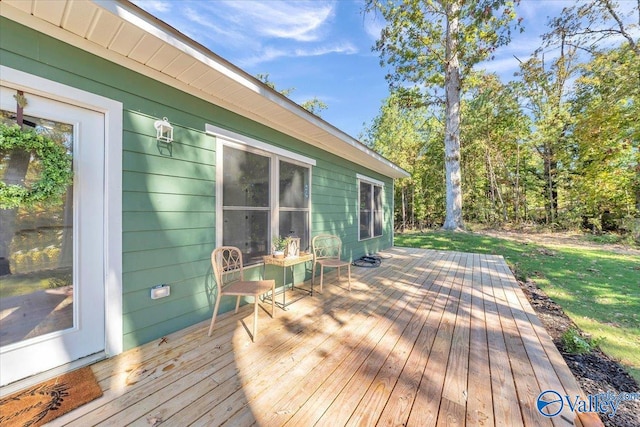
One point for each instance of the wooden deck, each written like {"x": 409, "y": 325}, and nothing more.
{"x": 428, "y": 338}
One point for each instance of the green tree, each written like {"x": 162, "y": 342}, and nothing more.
{"x": 607, "y": 136}
{"x": 264, "y": 78}
{"x": 314, "y": 105}
{"x": 546, "y": 88}
{"x": 571, "y": 147}
{"x": 494, "y": 155}
{"x": 409, "y": 136}
{"x": 593, "y": 26}
{"x": 433, "y": 44}
{"x": 586, "y": 24}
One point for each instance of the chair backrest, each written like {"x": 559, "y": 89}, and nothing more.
{"x": 326, "y": 246}
{"x": 227, "y": 265}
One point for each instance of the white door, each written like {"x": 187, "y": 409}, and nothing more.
{"x": 52, "y": 277}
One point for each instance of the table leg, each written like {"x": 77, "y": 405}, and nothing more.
{"x": 284, "y": 287}
{"x": 264, "y": 271}
{"x": 284, "y": 282}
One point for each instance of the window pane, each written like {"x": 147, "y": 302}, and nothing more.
{"x": 365, "y": 210}
{"x": 378, "y": 212}
{"x": 296, "y": 224}
{"x": 246, "y": 179}
{"x": 36, "y": 246}
{"x": 247, "y": 230}
{"x": 294, "y": 186}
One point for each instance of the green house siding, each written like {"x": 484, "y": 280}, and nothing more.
{"x": 168, "y": 194}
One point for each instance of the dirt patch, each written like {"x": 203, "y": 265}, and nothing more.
{"x": 565, "y": 238}
{"x": 595, "y": 371}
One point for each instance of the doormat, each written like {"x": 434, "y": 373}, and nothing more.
{"x": 368, "y": 261}
{"x": 46, "y": 401}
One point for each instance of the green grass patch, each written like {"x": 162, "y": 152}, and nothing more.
{"x": 599, "y": 290}
{"x": 23, "y": 284}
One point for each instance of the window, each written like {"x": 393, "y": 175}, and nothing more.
{"x": 294, "y": 201}
{"x": 265, "y": 192}
{"x": 246, "y": 202}
{"x": 371, "y": 212}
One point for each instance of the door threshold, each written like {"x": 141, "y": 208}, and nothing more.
{"x": 51, "y": 373}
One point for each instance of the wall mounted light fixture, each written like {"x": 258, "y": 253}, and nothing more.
{"x": 160, "y": 291}
{"x": 164, "y": 130}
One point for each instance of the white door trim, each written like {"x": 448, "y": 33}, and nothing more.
{"x": 112, "y": 232}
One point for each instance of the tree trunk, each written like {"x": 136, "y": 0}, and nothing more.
{"x": 413, "y": 206}
{"x": 492, "y": 187}
{"x": 16, "y": 171}
{"x": 550, "y": 175}
{"x": 453, "y": 206}
{"x": 516, "y": 187}
{"x": 66, "y": 248}
{"x": 404, "y": 209}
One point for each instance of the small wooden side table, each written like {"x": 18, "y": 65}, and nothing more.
{"x": 284, "y": 263}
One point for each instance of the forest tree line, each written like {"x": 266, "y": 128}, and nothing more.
{"x": 559, "y": 145}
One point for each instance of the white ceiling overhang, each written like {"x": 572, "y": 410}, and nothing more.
{"x": 123, "y": 33}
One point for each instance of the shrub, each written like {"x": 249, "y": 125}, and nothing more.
{"x": 574, "y": 342}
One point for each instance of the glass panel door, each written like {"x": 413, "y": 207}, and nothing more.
{"x": 52, "y": 290}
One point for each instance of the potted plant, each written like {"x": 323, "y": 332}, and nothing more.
{"x": 279, "y": 246}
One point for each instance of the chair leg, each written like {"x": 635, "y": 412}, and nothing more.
{"x": 273, "y": 300}
{"x": 237, "y": 303}
{"x": 349, "y": 275}
{"x": 255, "y": 318}
{"x": 313, "y": 274}
{"x": 213, "y": 317}
{"x": 321, "y": 276}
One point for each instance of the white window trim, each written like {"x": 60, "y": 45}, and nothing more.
{"x": 370, "y": 180}
{"x": 237, "y": 141}
{"x": 244, "y": 140}
{"x": 374, "y": 182}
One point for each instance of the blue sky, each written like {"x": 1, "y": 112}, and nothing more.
{"x": 320, "y": 48}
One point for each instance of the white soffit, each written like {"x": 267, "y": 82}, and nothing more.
{"x": 122, "y": 33}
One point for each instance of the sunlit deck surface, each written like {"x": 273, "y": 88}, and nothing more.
{"x": 428, "y": 338}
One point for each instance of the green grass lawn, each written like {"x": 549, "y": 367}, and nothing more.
{"x": 599, "y": 290}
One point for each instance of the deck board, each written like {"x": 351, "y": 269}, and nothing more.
{"x": 428, "y": 338}
{"x": 454, "y": 393}
{"x": 400, "y": 402}
{"x": 479, "y": 409}
{"x": 390, "y": 377}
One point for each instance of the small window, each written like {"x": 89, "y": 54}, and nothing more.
{"x": 371, "y": 209}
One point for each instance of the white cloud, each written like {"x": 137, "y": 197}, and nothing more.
{"x": 301, "y": 20}
{"x": 271, "y": 53}
{"x": 504, "y": 67}
{"x": 538, "y": 10}
{"x": 343, "y": 48}
{"x": 154, "y": 5}
{"x": 250, "y": 32}
{"x": 266, "y": 55}
{"x": 198, "y": 18}
{"x": 373, "y": 25}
